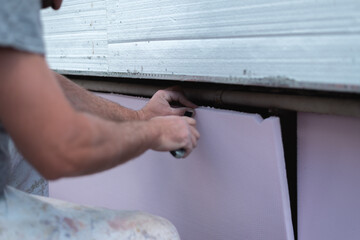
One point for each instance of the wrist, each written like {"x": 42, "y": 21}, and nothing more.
{"x": 140, "y": 115}
{"x": 155, "y": 132}
{"x": 126, "y": 115}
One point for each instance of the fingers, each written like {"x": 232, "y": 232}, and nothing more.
{"x": 175, "y": 95}
{"x": 182, "y": 110}
{"x": 195, "y": 133}
{"x": 194, "y": 136}
{"x": 160, "y": 104}
{"x": 190, "y": 121}
{"x": 194, "y": 139}
{"x": 175, "y": 133}
{"x": 184, "y": 101}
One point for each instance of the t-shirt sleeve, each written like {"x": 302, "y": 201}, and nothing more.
{"x": 20, "y": 25}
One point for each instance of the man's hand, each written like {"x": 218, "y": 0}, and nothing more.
{"x": 160, "y": 104}
{"x": 174, "y": 133}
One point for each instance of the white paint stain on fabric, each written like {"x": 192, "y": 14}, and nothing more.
{"x": 29, "y": 217}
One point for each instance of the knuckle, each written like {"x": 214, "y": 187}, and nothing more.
{"x": 160, "y": 92}
{"x": 183, "y": 121}
{"x": 184, "y": 136}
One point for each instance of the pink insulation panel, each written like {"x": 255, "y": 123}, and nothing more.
{"x": 233, "y": 186}
{"x": 328, "y": 177}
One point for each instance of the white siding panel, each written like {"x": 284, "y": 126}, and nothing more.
{"x": 297, "y": 43}
{"x": 76, "y": 36}
{"x": 143, "y": 20}
{"x": 289, "y": 58}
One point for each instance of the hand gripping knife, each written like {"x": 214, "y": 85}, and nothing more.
{"x": 180, "y": 153}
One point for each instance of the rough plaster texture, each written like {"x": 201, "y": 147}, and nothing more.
{"x": 328, "y": 177}
{"x": 233, "y": 186}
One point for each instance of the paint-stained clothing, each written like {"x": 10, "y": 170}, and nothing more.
{"x": 16, "y": 171}
{"x": 27, "y": 217}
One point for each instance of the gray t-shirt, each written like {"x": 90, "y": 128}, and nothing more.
{"x": 20, "y": 25}
{"x": 4, "y": 158}
{"x": 20, "y": 28}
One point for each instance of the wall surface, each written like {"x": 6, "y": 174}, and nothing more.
{"x": 297, "y": 43}
{"x": 328, "y": 177}
{"x": 233, "y": 186}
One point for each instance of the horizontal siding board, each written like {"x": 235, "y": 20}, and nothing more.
{"x": 287, "y": 57}
{"x": 228, "y": 19}
{"x": 298, "y": 43}
{"x": 76, "y": 36}
{"x": 79, "y": 64}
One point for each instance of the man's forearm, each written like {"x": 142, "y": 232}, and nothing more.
{"x": 85, "y": 101}
{"x": 60, "y": 141}
{"x": 96, "y": 144}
